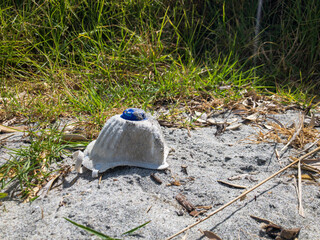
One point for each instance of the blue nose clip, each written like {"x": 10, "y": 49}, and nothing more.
{"x": 134, "y": 114}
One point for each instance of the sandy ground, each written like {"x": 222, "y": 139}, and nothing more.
{"x": 128, "y": 196}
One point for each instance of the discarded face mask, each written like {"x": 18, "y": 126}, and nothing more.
{"x": 131, "y": 139}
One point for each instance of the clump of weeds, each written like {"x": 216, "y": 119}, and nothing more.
{"x": 30, "y": 166}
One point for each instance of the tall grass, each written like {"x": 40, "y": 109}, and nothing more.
{"x": 115, "y": 39}
{"x": 89, "y": 57}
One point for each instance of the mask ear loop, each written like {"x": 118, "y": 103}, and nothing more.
{"x": 78, "y": 158}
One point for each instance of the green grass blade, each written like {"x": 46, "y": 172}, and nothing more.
{"x": 135, "y": 229}
{"x": 99, "y": 234}
{"x": 3, "y": 195}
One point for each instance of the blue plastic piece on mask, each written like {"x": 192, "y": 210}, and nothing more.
{"x": 134, "y": 114}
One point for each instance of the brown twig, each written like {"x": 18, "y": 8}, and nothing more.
{"x": 262, "y": 220}
{"x": 155, "y": 178}
{"x": 301, "y": 119}
{"x": 99, "y": 182}
{"x": 189, "y": 132}
{"x": 245, "y": 193}
{"x": 184, "y": 202}
{"x": 231, "y": 184}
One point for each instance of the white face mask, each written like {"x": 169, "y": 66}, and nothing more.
{"x": 138, "y": 142}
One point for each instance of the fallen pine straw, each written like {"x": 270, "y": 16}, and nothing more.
{"x": 245, "y": 193}
{"x": 308, "y": 167}
{"x": 296, "y": 137}
{"x": 314, "y": 143}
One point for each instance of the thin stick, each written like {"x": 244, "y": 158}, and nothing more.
{"x": 245, "y": 193}
{"x": 304, "y": 150}
{"x": 189, "y": 133}
{"x": 278, "y": 155}
{"x": 308, "y": 167}
{"x": 231, "y": 184}
{"x": 301, "y": 211}
{"x": 301, "y": 118}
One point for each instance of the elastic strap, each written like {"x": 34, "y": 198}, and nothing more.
{"x": 78, "y": 158}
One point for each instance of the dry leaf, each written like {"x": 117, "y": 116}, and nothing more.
{"x": 194, "y": 213}
{"x": 290, "y": 233}
{"x": 234, "y": 126}
{"x": 276, "y": 231}
{"x": 272, "y": 230}
{"x": 212, "y": 121}
{"x": 200, "y": 120}
{"x": 74, "y": 137}
{"x": 269, "y": 127}
{"x": 210, "y": 235}
{"x": 176, "y": 182}
{"x": 306, "y": 177}
{"x": 252, "y": 117}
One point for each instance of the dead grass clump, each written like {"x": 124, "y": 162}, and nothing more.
{"x": 283, "y": 135}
